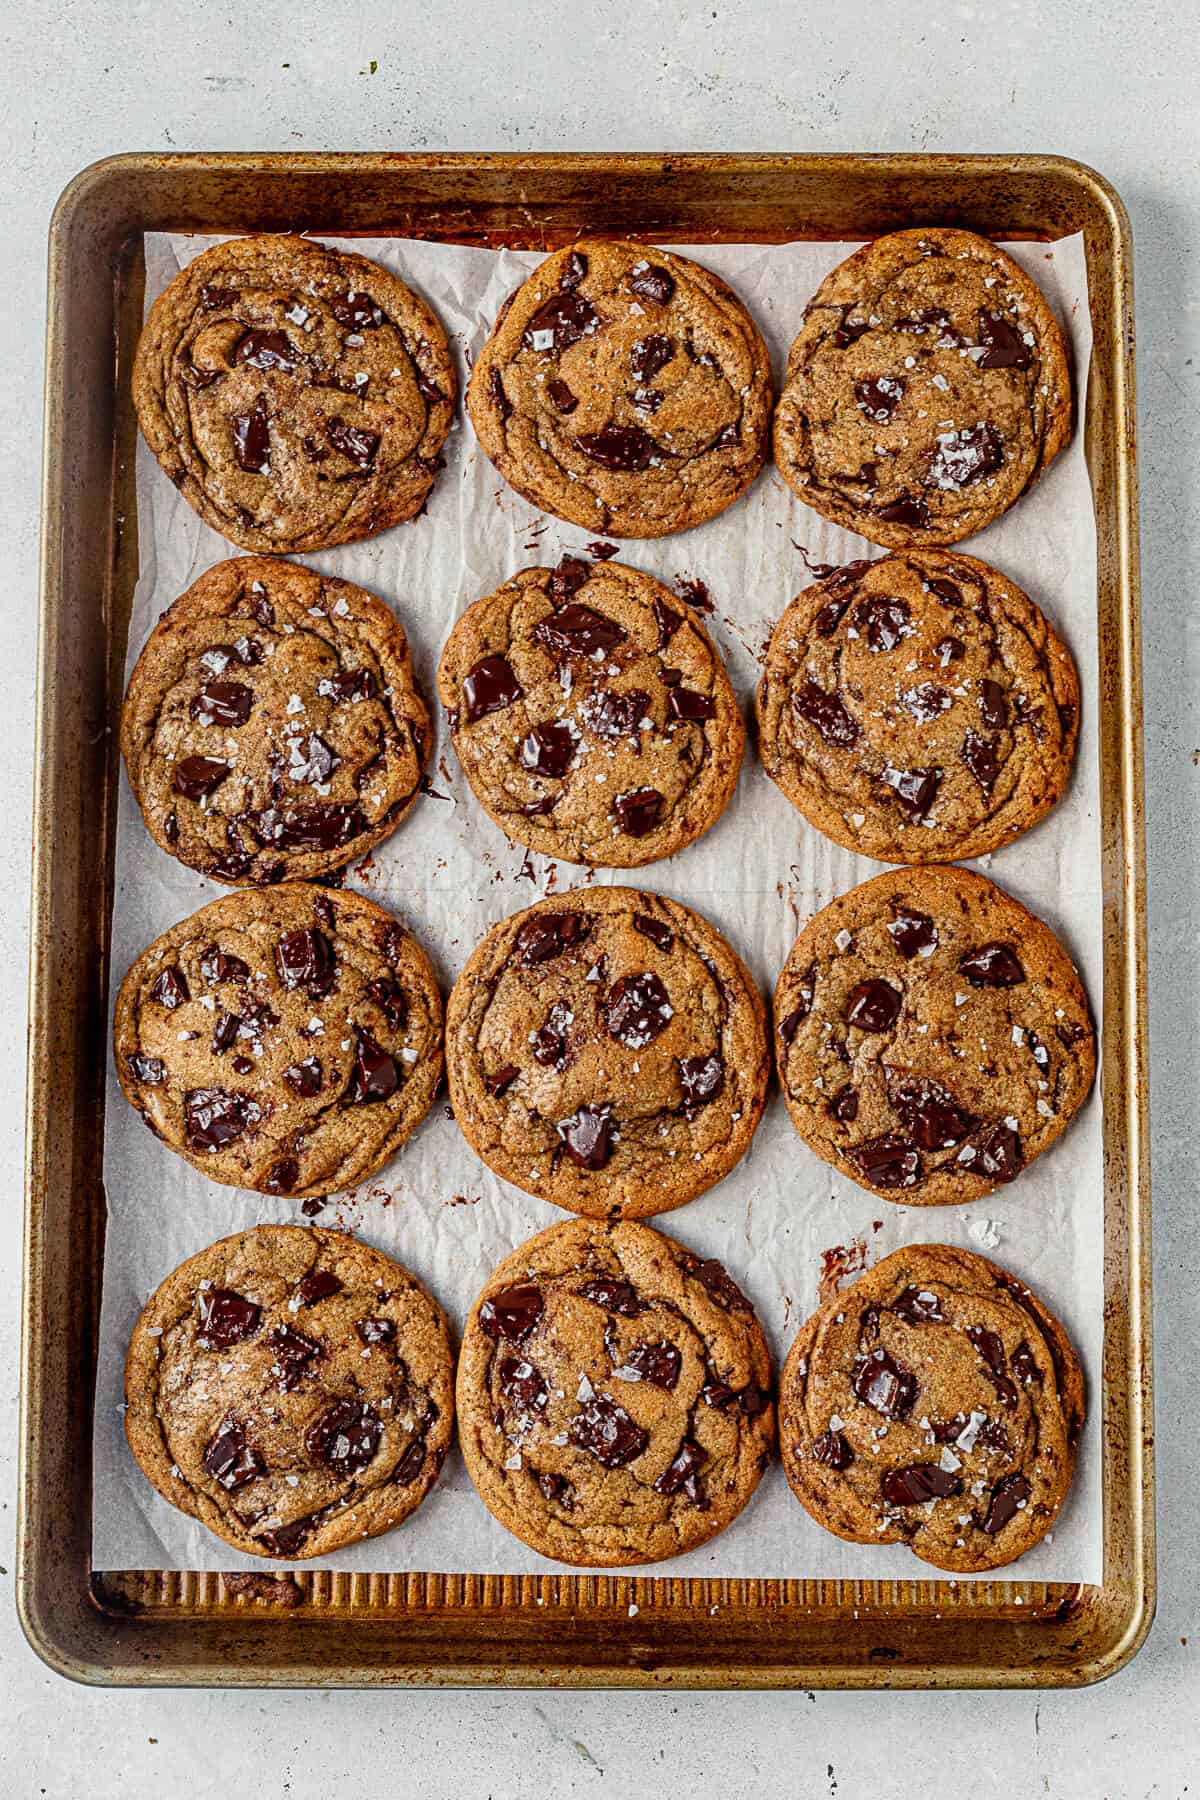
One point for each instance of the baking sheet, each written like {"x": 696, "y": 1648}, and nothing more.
{"x": 759, "y": 874}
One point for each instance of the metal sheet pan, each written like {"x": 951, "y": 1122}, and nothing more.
{"x": 320, "y": 1628}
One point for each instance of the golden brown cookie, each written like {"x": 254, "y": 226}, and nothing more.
{"x": 592, "y": 714}
{"x": 613, "y": 1395}
{"x": 625, "y": 389}
{"x": 607, "y": 1050}
{"x": 932, "y": 1036}
{"x": 287, "y": 1039}
{"x": 292, "y": 1389}
{"x": 297, "y": 396}
{"x": 927, "y": 391}
{"x": 272, "y": 726}
{"x": 935, "y": 1402}
{"x": 918, "y": 708}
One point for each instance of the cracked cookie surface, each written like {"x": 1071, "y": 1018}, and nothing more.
{"x": 932, "y": 1036}
{"x": 928, "y": 389}
{"x": 291, "y": 1388}
{"x": 918, "y": 708}
{"x": 592, "y": 714}
{"x": 606, "y": 1050}
{"x": 272, "y": 727}
{"x": 297, "y": 396}
{"x": 624, "y": 389}
{"x": 936, "y": 1402}
{"x": 613, "y": 1395}
{"x": 287, "y": 1039}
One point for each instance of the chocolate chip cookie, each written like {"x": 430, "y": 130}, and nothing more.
{"x": 932, "y": 1036}
{"x": 287, "y": 1039}
{"x": 937, "y": 1403}
{"x": 592, "y": 714}
{"x": 607, "y": 1051}
{"x": 292, "y": 1389}
{"x": 613, "y": 1395}
{"x": 272, "y": 727}
{"x": 297, "y": 396}
{"x": 927, "y": 391}
{"x": 918, "y": 708}
{"x": 624, "y": 389}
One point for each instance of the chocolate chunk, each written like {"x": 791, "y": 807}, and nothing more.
{"x": 930, "y": 1113}
{"x": 638, "y": 811}
{"x": 615, "y": 1295}
{"x": 888, "y": 1161}
{"x": 376, "y": 1331}
{"x": 347, "y": 685}
{"x": 214, "y": 1117}
{"x": 391, "y": 1000}
{"x": 266, "y": 350}
{"x": 1005, "y": 1502}
{"x": 926, "y": 701}
{"x": 512, "y": 1313}
{"x": 844, "y": 1106}
{"x": 225, "y": 1030}
{"x": 992, "y": 966}
{"x": 308, "y": 827}
{"x": 549, "y": 1044}
{"x": 720, "y": 1395}
{"x": 659, "y": 1364}
{"x": 886, "y": 621}
{"x": 357, "y": 445}
{"x": 213, "y": 297}
{"x": 915, "y": 789}
{"x": 286, "y": 1540}
{"x": 998, "y": 1153}
{"x": 410, "y": 1464}
{"x": 649, "y": 355}
{"x": 226, "y": 1318}
{"x": 346, "y": 1437}
{"x": 965, "y": 456}
{"x": 230, "y": 1460}
{"x": 501, "y": 1081}
{"x": 618, "y": 447}
{"x": 613, "y": 715}
{"x": 375, "y": 1075}
{"x": 607, "y": 1432}
{"x": 717, "y": 1283}
{"x": 683, "y": 1473}
{"x": 882, "y": 1383}
{"x": 198, "y": 776}
{"x": 879, "y": 398}
{"x": 827, "y": 713}
{"x": 696, "y": 594}
{"x": 701, "y": 1078}
{"x": 912, "y": 932}
{"x": 669, "y": 622}
{"x": 561, "y": 396}
{"x": 523, "y": 1385}
{"x": 979, "y": 754}
{"x": 577, "y": 630}
{"x": 789, "y": 1026}
{"x": 356, "y": 310}
{"x": 223, "y": 703}
{"x": 292, "y": 1352}
{"x": 242, "y": 1065}
{"x": 993, "y": 706}
{"x": 990, "y": 1347}
{"x": 556, "y": 1488}
{"x": 305, "y": 959}
{"x": 574, "y": 269}
{"x": 252, "y": 439}
{"x": 653, "y": 283}
{"x": 570, "y": 574}
{"x": 587, "y": 1136}
{"x": 637, "y": 1010}
{"x": 874, "y": 1006}
{"x": 1004, "y": 347}
{"x": 832, "y": 1449}
{"x": 305, "y": 1077}
{"x": 919, "y": 1307}
{"x": 948, "y": 650}
{"x": 1024, "y": 1364}
{"x": 490, "y": 687}
{"x": 147, "y": 1069}
{"x": 686, "y": 703}
{"x": 832, "y": 614}
{"x": 261, "y": 607}
{"x": 917, "y": 1484}
{"x": 500, "y": 399}
{"x": 312, "y": 760}
{"x": 547, "y": 935}
{"x": 658, "y": 932}
{"x": 908, "y": 509}
{"x": 848, "y": 330}
{"x": 560, "y": 322}
{"x": 318, "y": 1284}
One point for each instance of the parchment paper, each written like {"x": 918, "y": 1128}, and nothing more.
{"x": 761, "y": 873}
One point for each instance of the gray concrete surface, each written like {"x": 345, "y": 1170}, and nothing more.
{"x": 1114, "y": 85}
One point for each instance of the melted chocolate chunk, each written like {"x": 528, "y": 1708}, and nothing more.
{"x": 827, "y": 713}
{"x": 252, "y": 439}
{"x": 844, "y": 1106}
{"x": 948, "y": 650}
{"x": 305, "y": 959}
{"x": 885, "y": 620}
{"x": 909, "y": 509}
{"x": 638, "y": 811}
{"x": 879, "y": 398}
{"x": 965, "y": 456}
{"x": 874, "y": 1006}
{"x": 889, "y": 1161}
{"x": 391, "y": 1000}
{"x": 912, "y": 932}
{"x": 293, "y": 1352}
{"x": 286, "y": 1540}
{"x": 549, "y": 1045}
{"x": 317, "y": 1285}
{"x": 226, "y": 1318}
{"x": 669, "y": 622}
{"x": 915, "y": 789}
{"x": 717, "y": 1283}
{"x": 832, "y": 1449}
{"x": 356, "y": 445}
{"x": 613, "y": 715}
{"x": 883, "y": 1384}
{"x": 561, "y": 396}
{"x": 919, "y": 1307}
{"x": 214, "y": 1117}
{"x": 356, "y": 310}
{"x": 930, "y": 1113}
{"x": 548, "y": 750}
{"x": 1005, "y": 1502}
{"x": 267, "y": 350}
{"x": 686, "y": 703}
{"x": 992, "y": 966}
{"x": 614, "y": 1294}
{"x": 649, "y": 355}
{"x": 993, "y": 705}
{"x": 658, "y": 932}
{"x": 1024, "y": 1364}
{"x": 848, "y": 330}
{"x": 607, "y": 1432}
{"x": 659, "y": 1364}
{"x": 547, "y": 935}
{"x": 218, "y": 965}
{"x": 523, "y": 1385}
{"x": 979, "y": 754}
{"x": 653, "y": 283}
{"x": 490, "y": 687}
{"x": 223, "y": 703}
{"x": 560, "y": 322}
{"x": 499, "y": 1083}
{"x": 574, "y": 269}
{"x": 990, "y": 1347}
{"x": 998, "y": 1153}
{"x": 618, "y": 447}
{"x": 225, "y": 1030}
{"x": 147, "y": 1069}
{"x": 346, "y": 1437}
{"x": 230, "y": 1460}
{"x": 512, "y": 1313}
{"x": 374, "y": 1076}
{"x": 376, "y": 1331}
{"x": 638, "y": 1010}
{"x": 198, "y": 776}
{"x": 683, "y": 1473}
{"x": 701, "y": 1078}
{"x": 917, "y": 1484}
{"x": 832, "y": 614}
{"x": 587, "y": 1136}
{"x": 305, "y": 1077}
{"x": 789, "y": 1026}
{"x": 567, "y": 578}
{"x": 1004, "y": 348}
{"x": 500, "y": 399}
{"x": 312, "y": 760}
{"x": 308, "y": 827}
{"x": 577, "y": 630}
{"x": 752, "y": 1400}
